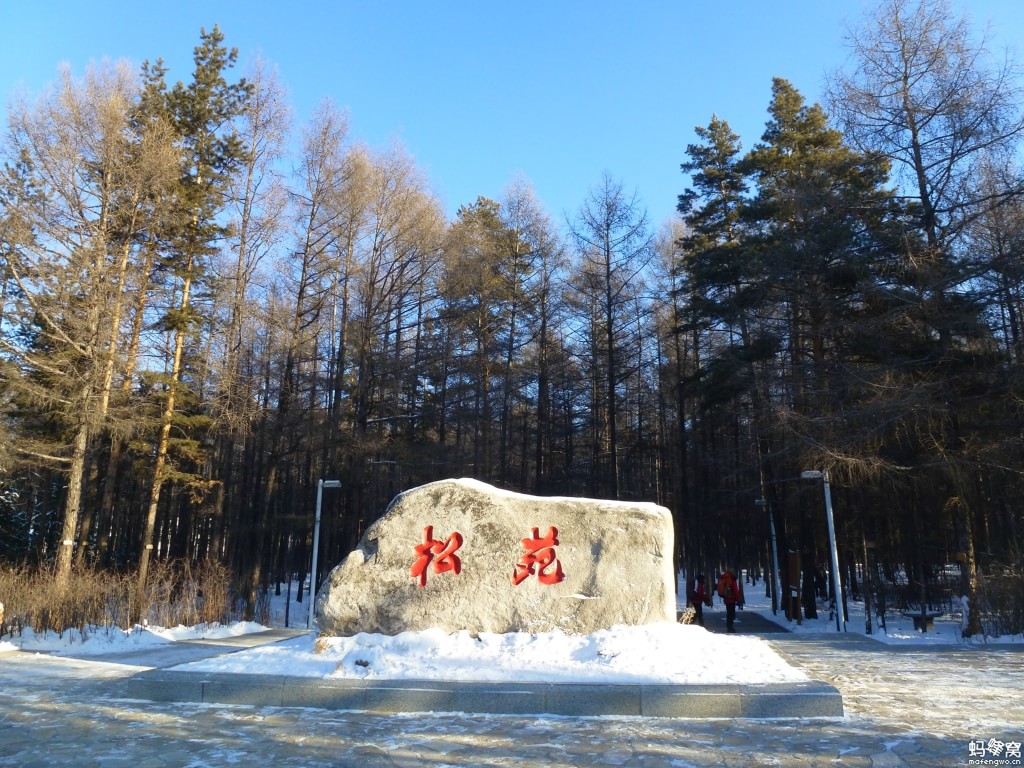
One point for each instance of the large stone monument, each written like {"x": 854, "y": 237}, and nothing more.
{"x": 461, "y": 554}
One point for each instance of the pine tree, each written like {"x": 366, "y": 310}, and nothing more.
{"x": 721, "y": 277}
{"x": 818, "y": 217}
{"x": 85, "y": 174}
{"x": 476, "y": 302}
{"x": 202, "y": 113}
{"x": 720, "y": 287}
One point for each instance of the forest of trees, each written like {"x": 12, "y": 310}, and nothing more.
{"x": 205, "y": 309}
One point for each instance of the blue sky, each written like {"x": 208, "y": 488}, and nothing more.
{"x": 559, "y": 91}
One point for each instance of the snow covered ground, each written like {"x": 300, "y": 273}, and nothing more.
{"x": 917, "y": 705}
{"x": 899, "y": 628}
{"x": 660, "y": 653}
{"x": 663, "y": 653}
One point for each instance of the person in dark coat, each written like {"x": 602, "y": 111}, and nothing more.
{"x": 731, "y": 594}
{"x": 699, "y": 599}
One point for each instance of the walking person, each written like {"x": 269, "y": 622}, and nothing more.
{"x": 698, "y": 599}
{"x": 731, "y": 594}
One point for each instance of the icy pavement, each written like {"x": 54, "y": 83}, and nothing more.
{"x": 920, "y": 706}
{"x": 960, "y": 692}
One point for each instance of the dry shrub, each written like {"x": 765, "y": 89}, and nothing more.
{"x": 214, "y": 594}
{"x": 261, "y": 611}
{"x": 186, "y": 594}
{"x": 35, "y": 599}
{"x": 1001, "y": 599}
{"x": 13, "y": 592}
{"x": 93, "y": 600}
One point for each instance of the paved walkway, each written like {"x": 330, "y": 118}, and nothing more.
{"x": 918, "y": 707}
{"x": 747, "y": 623}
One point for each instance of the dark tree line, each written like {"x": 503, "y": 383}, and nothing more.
{"x": 190, "y": 338}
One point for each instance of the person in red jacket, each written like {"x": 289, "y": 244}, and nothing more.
{"x": 731, "y": 594}
{"x": 698, "y": 599}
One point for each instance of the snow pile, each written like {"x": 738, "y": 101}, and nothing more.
{"x": 655, "y": 653}
{"x": 104, "y": 641}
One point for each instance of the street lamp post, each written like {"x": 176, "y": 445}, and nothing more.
{"x": 814, "y": 474}
{"x": 321, "y": 484}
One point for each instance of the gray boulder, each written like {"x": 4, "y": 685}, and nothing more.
{"x": 461, "y": 554}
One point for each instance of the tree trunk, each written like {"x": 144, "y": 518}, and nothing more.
{"x": 163, "y": 444}
{"x": 72, "y": 504}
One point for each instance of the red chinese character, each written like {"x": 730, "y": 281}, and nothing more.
{"x": 446, "y": 559}
{"x": 538, "y": 558}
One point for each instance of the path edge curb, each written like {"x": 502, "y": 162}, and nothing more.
{"x": 807, "y": 699}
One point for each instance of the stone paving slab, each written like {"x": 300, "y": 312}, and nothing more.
{"x": 788, "y": 700}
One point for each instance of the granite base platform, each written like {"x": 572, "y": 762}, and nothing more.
{"x": 811, "y": 699}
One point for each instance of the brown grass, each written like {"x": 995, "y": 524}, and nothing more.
{"x": 176, "y": 594}
{"x": 1002, "y": 604}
